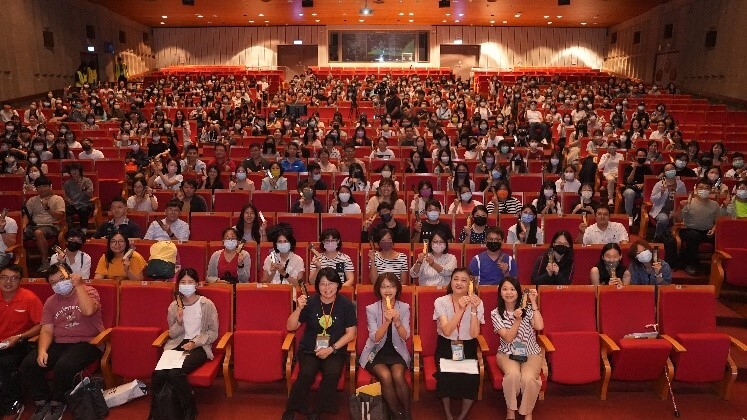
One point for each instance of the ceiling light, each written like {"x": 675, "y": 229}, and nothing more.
{"x": 163, "y": 23}
{"x": 549, "y": 23}
{"x": 443, "y": 21}
{"x": 492, "y": 21}
{"x": 458, "y": 41}
{"x": 360, "y": 20}
{"x": 251, "y": 21}
{"x": 200, "y": 16}
{"x": 297, "y": 42}
{"x": 366, "y": 11}
{"x": 317, "y": 21}
{"x": 583, "y": 23}
{"x": 461, "y": 14}
{"x": 505, "y": 21}
{"x": 517, "y": 15}
{"x": 448, "y": 14}
{"x": 261, "y": 15}
{"x": 300, "y": 14}
{"x": 91, "y": 48}
{"x": 411, "y": 14}
{"x": 164, "y": 17}
{"x": 546, "y": 17}
{"x": 456, "y": 21}
{"x": 267, "y": 21}
{"x": 313, "y": 14}
{"x": 411, "y": 21}
{"x": 559, "y": 17}
{"x": 401, "y": 13}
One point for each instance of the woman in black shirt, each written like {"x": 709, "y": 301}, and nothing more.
{"x": 559, "y": 270}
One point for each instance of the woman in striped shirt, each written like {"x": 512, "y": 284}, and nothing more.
{"x": 517, "y": 328}
{"x": 332, "y": 257}
{"x": 434, "y": 267}
{"x": 503, "y": 201}
{"x": 387, "y": 260}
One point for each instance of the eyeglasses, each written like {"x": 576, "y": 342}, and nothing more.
{"x": 10, "y": 279}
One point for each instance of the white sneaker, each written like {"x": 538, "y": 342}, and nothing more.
{"x": 630, "y": 221}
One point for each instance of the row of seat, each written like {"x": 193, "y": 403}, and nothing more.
{"x": 590, "y": 346}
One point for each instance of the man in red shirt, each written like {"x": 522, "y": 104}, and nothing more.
{"x": 20, "y": 313}
{"x": 221, "y": 159}
{"x": 71, "y": 318}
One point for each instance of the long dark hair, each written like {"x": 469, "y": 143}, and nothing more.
{"x": 542, "y": 200}
{"x": 604, "y": 274}
{"x": 338, "y": 209}
{"x": 186, "y": 271}
{"x": 501, "y": 303}
{"x": 240, "y": 228}
{"x": 532, "y": 233}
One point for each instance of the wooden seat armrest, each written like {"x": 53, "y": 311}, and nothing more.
{"x": 738, "y": 343}
{"x": 102, "y": 337}
{"x": 225, "y": 341}
{"x": 608, "y": 343}
{"x": 484, "y": 348}
{"x": 288, "y": 342}
{"x": 351, "y": 346}
{"x": 14, "y": 249}
{"x": 417, "y": 345}
{"x": 721, "y": 254}
{"x": 675, "y": 344}
{"x": 161, "y": 340}
{"x": 545, "y": 343}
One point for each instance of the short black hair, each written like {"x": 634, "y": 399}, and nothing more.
{"x": 331, "y": 275}
{"x": 42, "y": 180}
{"x": 174, "y": 203}
{"x": 14, "y": 268}
{"x": 118, "y": 200}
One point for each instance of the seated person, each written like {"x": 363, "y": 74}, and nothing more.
{"x": 548, "y": 202}
{"x": 332, "y": 257}
{"x": 681, "y": 163}
{"x": 240, "y": 182}
{"x": 502, "y": 202}
{"x": 8, "y": 232}
{"x": 20, "y": 315}
{"x": 423, "y": 230}
{"x": 46, "y": 211}
{"x": 738, "y": 205}
{"x": 255, "y": 162}
{"x": 78, "y": 261}
{"x": 492, "y": 265}
{"x": 315, "y": 177}
{"x": 143, "y": 198}
{"x": 387, "y": 259}
{"x": 190, "y": 201}
{"x": 662, "y": 198}
{"x": 603, "y": 231}
{"x": 699, "y": 214}
{"x": 646, "y": 268}
{"x": 308, "y": 203}
{"x": 119, "y": 222}
{"x": 275, "y": 181}
{"x": 738, "y": 169}
{"x": 386, "y": 220}
{"x": 610, "y": 269}
{"x": 434, "y": 266}
{"x": 292, "y": 163}
{"x": 114, "y": 266}
{"x": 587, "y": 204}
{"x": 70, "y": 319}
{"x": 386, "y": 193}
{"x": 465, "y": 202}
{"x": 250, "y": 226}
{"x": 633, "y": 180}
{"x": 229, "y": 264}
{"x": 526, "y": 231}
{"x": 283, "y": 265}
{"x": 344, "y": 202}
{"x": 170, "y": 228}
{"x": 221, "y": 159}
{"x": 476, "y": 229}
{"x": 78, "y": 191}
{"x": 559, "y": 270}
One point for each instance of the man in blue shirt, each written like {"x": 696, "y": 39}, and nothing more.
{"x": 492, "y": 265}
{"x": 291, "y": 163}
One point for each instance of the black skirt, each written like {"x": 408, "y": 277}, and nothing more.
{"x": 455, "y": 385}
{"x": 387, "y": 355}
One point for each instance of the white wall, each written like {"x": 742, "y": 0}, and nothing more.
{"x": 27, "y": 67}
{"x": 721, "y": 70}
{"x": 500, "y": 47}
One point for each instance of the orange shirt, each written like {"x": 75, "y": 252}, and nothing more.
{"x": 20, "y": 314}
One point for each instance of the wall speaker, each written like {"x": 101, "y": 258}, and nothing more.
{"x": 710, "y": 40}
{"x": 90, "y": 32}
{"x": 307, "y": 3}
{"x": 564, "y": 2}
{"x": 48, "y": 39}
{"x": 188, "y": 2}
{"x": 444, "y": 3}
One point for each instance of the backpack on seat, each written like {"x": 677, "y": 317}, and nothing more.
{"x": 162, "y": 262}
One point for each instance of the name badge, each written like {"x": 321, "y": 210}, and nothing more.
{"x": 457, "y": 350}
{"x": 322, "y": 342}
{"x": 519, "y": 352}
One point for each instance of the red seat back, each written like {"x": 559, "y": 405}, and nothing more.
{"x": 208, "y": 226}
{"x": 554, "y": 223}
{"x": 558, "y": 302}
{"x": 426, "y": 326}
{"x": 273, "y": 301}
{"x": 349, "y": 225}
{"x": 39, "y": 286}
{"x": 108, "y": 297}
{"x": 192, "y": 254}
{"x": 729, "y": 233}
{"x": 230, "y": 201}
{"x": 222, "y": 296}
{"x": 144, "y": 303}
{"x": 677, "y": 312}
{"x": 526, "y": 256}
{"x": 584, "y": 258}
{"x": 626, "y": 310}
{"x": 489, "y": 296}
{"x": 305, "y": 225}
{"x": 276, "y": 201}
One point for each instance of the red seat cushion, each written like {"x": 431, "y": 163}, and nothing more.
{"x": 576, "y": 359}
{"x": 640, "y": 360}
{"x": 429, "y": 369}
{"x": 705, "y": 358}
{"x": 494, "y": 372}
{"x": 205, "y": 374}
{"x": 133, "y": 354}
{"x": 258, "y": 356}
{"x": 736, "y": 266}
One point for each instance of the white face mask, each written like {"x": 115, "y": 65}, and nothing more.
{"x": 570, "y": 176}
{"x": 466, "y": 196}
{"x": 645, "y": 256}
{"x": 187, "y": 289}
{"x": 433, "y": 215}
{"x": 330, "y": 246}
{"x": 386, "y": 174}
{"x": 230, "y": 244}
{"x": 344, "y": 197}
{"x": 742, "y": 194}
{"x": 438, "y": 248}
{"x": 554, "y": 161}
{"x": 445, "y": 159}
{"x": 704, "y": 194}
{"x": 586, "y": 194}
{"x": 549, "y": 193}
{"x": 283, "y": 247}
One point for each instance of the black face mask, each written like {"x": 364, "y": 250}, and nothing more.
{"x": 386, "y": 217}
{"x": 481, "y": 220}
{"x": 494, "y": 246}
{"x": 561, "y": 249}
{"x": 74, "y": 246}
{"x": 641, "y": 160}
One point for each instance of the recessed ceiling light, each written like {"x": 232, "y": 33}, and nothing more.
{"x": 583, "y": 23}
{"x": 549, "y": 23}
{"x": 411, "y": 14}
{"x": 518, "y": 14}
{"x": 448, "y": 14}
{"x": 163, "y": 23}
{"x": 411, "y": 21}
{"x": 251, "y": 21}
{"x": 164, "y": 17}
{"x": 559, "y": 17}
{"x": 360, "y": 20}
{"x": 505, "y": 21}
{"x": 461, "y": 14}
{"x": 443, "y": 21}
{"x": 267, "y": 21}
{"x": 456, "y": 21}
{"x": 492, "y": 21}
{"x": 313, "y": 14}
{"x": 200, "y": 16}
{"x": 261, "y": 15}
{"x": 546, "y": 17}
{"x": 317, "y": 21}
{"x": 458, "y": 41}
{"x": 300, "y": 14}
{"x": 401, "y": 13}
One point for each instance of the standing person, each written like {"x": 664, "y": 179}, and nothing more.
{"x": 385, "y": 354}
{"x": 330, "y": 325}
{"x": 120, "y": 72}
{"x": 46, "y": 211}
{"x": 78, "y": 192}
{"x": 20, "y": 313}
{"x": 517, "y": 328}
{"x": 193, "y": 327}
{"x": 699, "y": 214}
{"x": 492, "y": 265}
{"x": 458, "y": 316}
{"x": 70, "y": 319}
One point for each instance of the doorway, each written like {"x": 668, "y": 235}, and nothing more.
{"x": 296, "y": 58}
{"x": 92, "y": 59}
{"x": 460, "y": 58}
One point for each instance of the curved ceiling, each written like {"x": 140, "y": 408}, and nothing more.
{"x": 581, "y": 13}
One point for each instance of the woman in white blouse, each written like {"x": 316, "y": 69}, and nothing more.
{"x": 344, "y": 203}
{"x": 283, "y": 266}
{"x": 434, "y": 267}
{"x": 387, "y": 191}
{"x": 171, "y": 180}
{"x": 143, "y": 199}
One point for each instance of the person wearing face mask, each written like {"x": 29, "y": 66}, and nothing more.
{"x": 492, "y": 265}
{"x": 90, "y": 123}
{"x": 240, "y": 181}
{"x": 275, "y": 181}
{"x": 568, "y": 182}
{"x": 465, "y": 202}
{"x": 503, "y": 202}
{"x": 423, "y": 194}
{"x": 424, "y": 230}
{"x": 608, "y": 164}
{"x": 610, "y": 269}
{"x": 526, "y": 229}
{"x": 646, "y": 268}
{"x": 587, "y": 204}
{"x": 547, "y": 202}
{"x": 737, "y": 208}
{"x": 193, "y": 328}
{"x": 387, "y": 171}
{"x": 330, "y": 257}
{"x": 77, "y": 260}
{"x": 10, "y": 164}
{"x": 344, "y": 202}
{"x": 476, "y": 229}
{"x": 71, "y": 318}
{"x": 683, "y": 170}
{"x": 386, "y": 192}
{"x": 662, "y": 198}
{"x": 555, "y": 266}
{"x": 737, "y": 170}
{"x": 714, "y": 175}
{"x": 229, "y": 264}
{"x": 307, "y": 203}
{"x": 387, "y": 259}
{"x": 699, "y": 214}
{"x": 384, "y": 212}
{"x": 89, "y": 152}
{"x": 434, "y": 267}
{"x": 285, "y": 266}
{"x": 633, "y": 180}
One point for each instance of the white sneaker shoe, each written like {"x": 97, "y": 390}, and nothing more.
{"x": 630, "y": 221}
